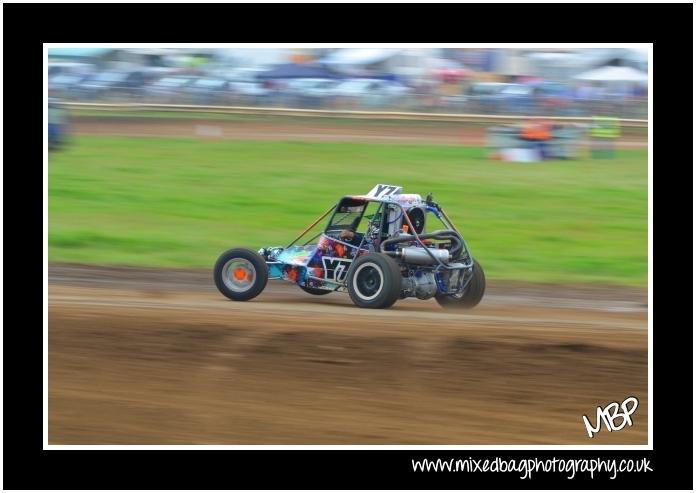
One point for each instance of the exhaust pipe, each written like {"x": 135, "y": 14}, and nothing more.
{"x": 457, "y": 242}
{"x": 419, "y": 256}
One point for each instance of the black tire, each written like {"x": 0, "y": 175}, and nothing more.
{"x": 315, "y": 291}
{"x": 471, "y": 296}
{"x": 247, "y": 259}
{"x": 374, "y": 281}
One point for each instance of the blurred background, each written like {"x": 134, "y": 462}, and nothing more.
{"x": 549, "y": 82}
{"x": 161, "y": 159}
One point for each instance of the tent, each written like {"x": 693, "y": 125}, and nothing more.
{"x": 359, "y": 56}
{"x": 298, "y": 71}
{"x": 614, "y": 74}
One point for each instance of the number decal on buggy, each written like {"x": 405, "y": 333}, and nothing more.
{"x": 382, "y": 191}
{"x": 335, "y": 269}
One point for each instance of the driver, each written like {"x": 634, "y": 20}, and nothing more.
{"x": 349, "y": 235}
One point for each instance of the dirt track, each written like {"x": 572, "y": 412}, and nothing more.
{"x": 452, "y": 134}
{"x": 145, "y": 356}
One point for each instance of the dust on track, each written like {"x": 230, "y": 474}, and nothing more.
{"x": 155, "y": 356}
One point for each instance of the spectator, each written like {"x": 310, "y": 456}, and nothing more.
{"x": 604, "y": 132}
{"x": 538, "y": 134}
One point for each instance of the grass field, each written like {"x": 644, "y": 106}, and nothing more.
{"x": 181, "y": 202}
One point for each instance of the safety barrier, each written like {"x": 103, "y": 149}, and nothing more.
{"x": 356, "y": 114}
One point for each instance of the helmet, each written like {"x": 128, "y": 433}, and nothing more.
{"x": 417, "y": 217}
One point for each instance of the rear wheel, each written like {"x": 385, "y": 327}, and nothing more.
{"x": 240, "y": 274}
{"x": 374, "y": 281}
{"x": 471, "y": 296}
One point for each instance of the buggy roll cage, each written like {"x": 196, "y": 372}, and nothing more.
{"x": 430, "y": 206}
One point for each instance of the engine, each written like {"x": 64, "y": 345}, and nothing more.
{"x": 419, "y": 283}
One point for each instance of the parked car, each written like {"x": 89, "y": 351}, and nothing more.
{"x": 70, "y": 68}
{"x": 454, "y": 103}
{"x": 547, "y": 98}
{"x": 312, "y": 87}
{"x": 515, "y": 99}
{"x": 168, "y": 89}
{"x": 66, "y": 86}
{"x": 241, "y": 74}
{"x": 554, "y": 98}
{"x": 369, "y": 92}
{"x": 360, "y": 87}
{"x": 482, "y": 96}
{"x": 310, "y": 92}
{"x": 208, "y": 90}
{"x": 65, "y": 77}
{"x": 253, "y": 89}
{"x": 114, "y": 84}
{"x": 247, "y": 93}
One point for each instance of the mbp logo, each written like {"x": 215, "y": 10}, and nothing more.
{"x": 609, "y": 414}
{"x": 335, "y": 269}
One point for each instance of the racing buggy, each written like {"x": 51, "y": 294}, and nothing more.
{"x": 375, "y": 246}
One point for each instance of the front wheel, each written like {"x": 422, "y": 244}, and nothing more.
{"x": 374, "y": 281}
{"x": 240, "y": 274}
{"x": 471, "y": 296}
